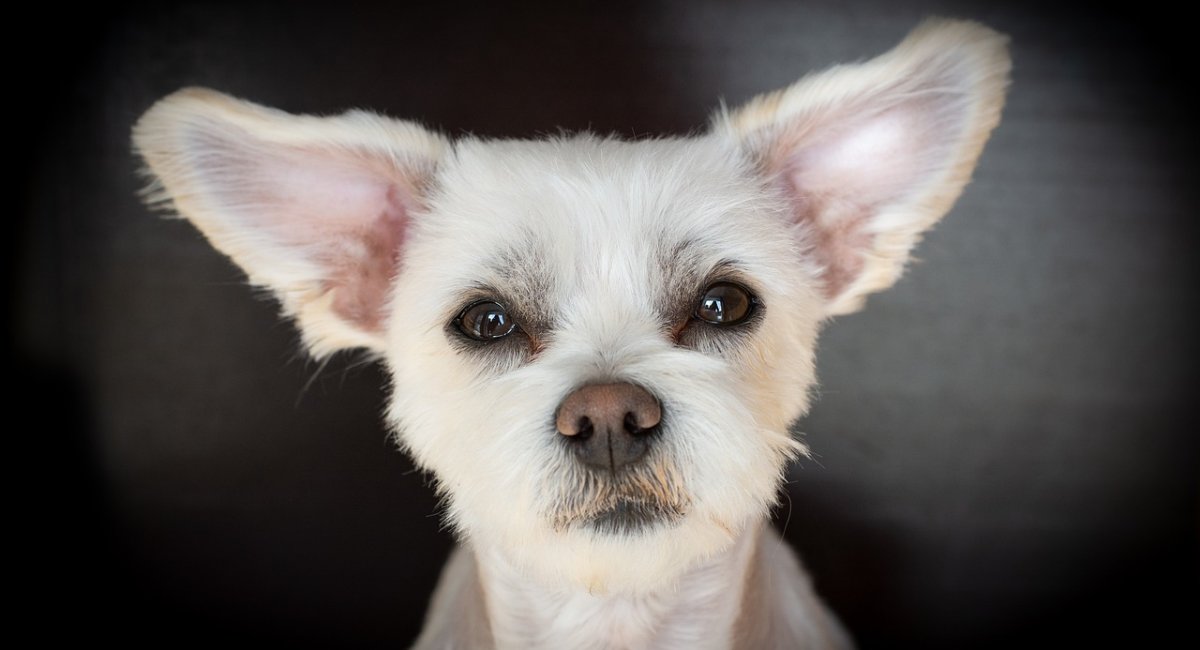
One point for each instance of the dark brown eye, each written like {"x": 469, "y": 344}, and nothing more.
{"x": 725, "y": 303}
{"x": 486, "y": 321}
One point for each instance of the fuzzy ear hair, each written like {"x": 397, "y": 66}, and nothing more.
{"x": 871, "y": 155}
{"x": 315, "y": 209}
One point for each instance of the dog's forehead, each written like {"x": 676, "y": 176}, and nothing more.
{"x": 544, "y": 218}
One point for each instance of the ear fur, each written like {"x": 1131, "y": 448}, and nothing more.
{"x": 315, "y": 209}
{"x": 871, "y": 155}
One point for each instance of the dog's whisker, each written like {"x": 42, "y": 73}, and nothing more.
{"x": 788, "y": 519}
{"x": 309, "y": 382}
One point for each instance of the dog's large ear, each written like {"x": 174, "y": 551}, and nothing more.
{"x": 315, "y": 209}
{"x": 871, "y": 155}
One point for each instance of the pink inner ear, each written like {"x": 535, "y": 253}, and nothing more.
{"x": 361, "y": 283}
{"x": 837, "y": 245}
{"x": 842, "y": 171}
{"x": 341, "y": 213}
{"x": 834, "y": 221}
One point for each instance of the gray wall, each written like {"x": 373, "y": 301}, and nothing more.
{"x": 1004, "y": 446}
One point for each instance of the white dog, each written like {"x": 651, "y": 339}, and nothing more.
{"x": 597, "y": 346}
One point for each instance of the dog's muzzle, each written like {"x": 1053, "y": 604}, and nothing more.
{"x": 609, "y": 426}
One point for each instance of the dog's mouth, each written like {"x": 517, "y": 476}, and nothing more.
{"x": 627, "y": 516}
{"x": 630, "y": 501}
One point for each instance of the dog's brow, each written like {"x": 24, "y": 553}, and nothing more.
{"x": 525, "y": 279}
{"x": 681, "y": 270}
{"x": 675, "y": 265}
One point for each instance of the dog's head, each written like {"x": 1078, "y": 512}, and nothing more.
{"x": 596, "y": 346}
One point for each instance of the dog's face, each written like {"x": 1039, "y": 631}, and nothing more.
{"x": 600, "y": 268}
{"x": 596, "y": 346}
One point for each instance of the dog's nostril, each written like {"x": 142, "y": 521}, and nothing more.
{"x": 631, "y": 423}
{"x": 583, "y": 428}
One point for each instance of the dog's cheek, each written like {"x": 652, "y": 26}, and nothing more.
{"x": 483, "y": 431}
{"x": 484, "y": 435}
{"x": 776, "y": 368}
{"x": 772, "y": 374}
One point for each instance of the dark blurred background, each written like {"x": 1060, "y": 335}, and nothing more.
{"x": 1006, "y": 442}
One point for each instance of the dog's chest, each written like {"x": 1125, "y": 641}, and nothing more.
{"x": 693, "y": 619}
{"x": 697, "y": 613}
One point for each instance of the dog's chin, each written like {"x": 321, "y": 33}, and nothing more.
{"x": 633, "y": 544}
{"x": 630, "y": 517}
{"x": 628, "y": 548}
{"x": 632, "y": 501}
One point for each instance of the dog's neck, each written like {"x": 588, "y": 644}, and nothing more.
{"x": 753, "y": 595}
{"x": 699, "y": 611}
{"x": 484, "y": 601}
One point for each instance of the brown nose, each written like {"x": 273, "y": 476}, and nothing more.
{"x": 608, "y": 423}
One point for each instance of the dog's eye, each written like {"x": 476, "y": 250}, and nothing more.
{"x": 486, "y": 321}
{"x": 725, "y": 303}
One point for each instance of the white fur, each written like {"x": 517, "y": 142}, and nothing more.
{"x": 698, "y": 614}
{"x": 599, "y": 221}
{"x": 813, "y": 196}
